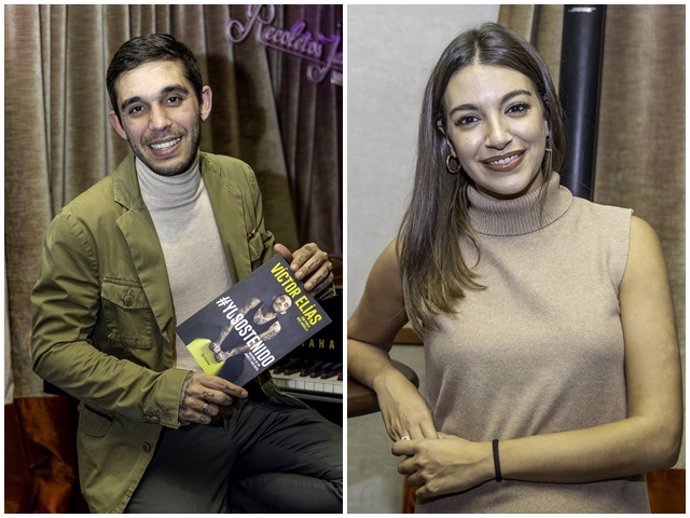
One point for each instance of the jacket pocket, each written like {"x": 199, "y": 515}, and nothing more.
{"x": 93, "y": 423}
{"x": 127, "y": 315}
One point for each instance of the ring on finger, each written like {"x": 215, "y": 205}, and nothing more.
{"x": 204, "y": 409}
{"x": 406, "y": 438}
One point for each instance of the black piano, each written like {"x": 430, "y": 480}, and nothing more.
{"x": 313, "y": 372}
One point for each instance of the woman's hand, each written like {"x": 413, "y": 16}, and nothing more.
{"x": 404, "y": 411}
{"x": 445, "y": 465}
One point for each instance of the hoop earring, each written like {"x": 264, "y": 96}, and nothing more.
{"x": 548, "y": 158}
{"x": 453, "y": 170}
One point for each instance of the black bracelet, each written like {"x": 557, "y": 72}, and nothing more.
{"x": 497, "y": 463}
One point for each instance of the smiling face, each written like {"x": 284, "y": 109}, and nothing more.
{"x": 496, "y": 127}
{"x": 160, "y": 116}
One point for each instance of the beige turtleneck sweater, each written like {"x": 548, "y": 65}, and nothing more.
{"x": 192, "y": 249}
{"x": 539, "y": 350}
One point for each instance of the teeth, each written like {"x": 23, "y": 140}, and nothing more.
{"x": 504, "y": 161}
{"x": 165, "y": 145}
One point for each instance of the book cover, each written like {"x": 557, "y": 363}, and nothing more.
{"x": 246, "y": 329}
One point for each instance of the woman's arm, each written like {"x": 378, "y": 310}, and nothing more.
{"x": 371, "y": 331}
{"x": 647, "y": 439}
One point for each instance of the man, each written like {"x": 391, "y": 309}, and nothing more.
{"x": 262, "y": 315}
{"x": 127, "y": 260}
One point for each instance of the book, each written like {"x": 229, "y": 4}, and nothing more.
{"x": 248, "y": 328}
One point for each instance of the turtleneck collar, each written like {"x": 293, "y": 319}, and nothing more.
{"x": 521, "y": 215}
{"x": 168, "y": 191}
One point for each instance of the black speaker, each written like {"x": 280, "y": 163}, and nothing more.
{"x": 581, "y": 57}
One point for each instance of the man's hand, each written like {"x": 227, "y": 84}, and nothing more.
{"x": 203, "y": 395}
{"x": 310, "y": 264}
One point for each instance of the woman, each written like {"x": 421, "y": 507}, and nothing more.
{"x": 553, "y": 373}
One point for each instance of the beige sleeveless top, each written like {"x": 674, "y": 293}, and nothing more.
{"x": 539, "y": 350}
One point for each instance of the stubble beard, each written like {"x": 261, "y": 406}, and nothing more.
{"x": 194, "y": 135}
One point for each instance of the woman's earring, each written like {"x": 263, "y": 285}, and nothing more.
{"x": 458, "y": 166}
{"x": 548, "y": 156}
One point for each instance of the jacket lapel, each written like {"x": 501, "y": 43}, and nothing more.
{"x": 228, "y": 208}
{"x": 137, "y": 228}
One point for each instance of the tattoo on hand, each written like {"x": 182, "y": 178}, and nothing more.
{"x": 207, "y": 396}
{"x": 185, "y": 385}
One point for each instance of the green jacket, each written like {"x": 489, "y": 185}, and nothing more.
{"x": 103, "y": 319}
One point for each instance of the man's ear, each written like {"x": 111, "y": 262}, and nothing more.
{"x": 116, "y": 123}
{"x": 206, "y": 102}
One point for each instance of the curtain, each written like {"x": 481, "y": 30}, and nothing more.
{"x": 541, "y": 25}
{"x": 313, "y": 143}
{"x": 640, "y": 160}
{"x": 58, "y": 142}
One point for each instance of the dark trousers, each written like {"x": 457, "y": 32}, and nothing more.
{"x": 264, "y": 458}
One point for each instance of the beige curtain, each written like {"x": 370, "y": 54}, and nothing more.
{"x": 542, "y": 25}
{"x": 314, "y": 164}
{"x": 58, "y": 143}
{"x": 640, "y": 160}
{"x": 641, "y": 142}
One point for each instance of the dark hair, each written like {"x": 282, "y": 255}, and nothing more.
{"x": 154, "y": 47}
{"x": 434, "y": 272}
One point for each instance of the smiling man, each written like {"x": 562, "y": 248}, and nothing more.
{"x": 159, "y": 114}
{"x": 123, "y": 263}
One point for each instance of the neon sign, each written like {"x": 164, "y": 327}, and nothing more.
{"x": 320, "y": 50}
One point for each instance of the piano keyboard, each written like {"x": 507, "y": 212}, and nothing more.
{"x": 317, "y": 380}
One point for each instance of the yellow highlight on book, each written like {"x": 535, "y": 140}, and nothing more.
{"x": 204, "y": 356}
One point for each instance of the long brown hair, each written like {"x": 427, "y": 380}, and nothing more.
{"x": 434, "y": 272}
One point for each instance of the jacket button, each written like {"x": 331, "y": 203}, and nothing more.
{"x": 147, "y": 447}
{"x": 127, "y": 301}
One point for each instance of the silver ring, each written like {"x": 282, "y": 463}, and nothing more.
{"x": 405, "y": 438}
{"x": 205, "y": 408}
